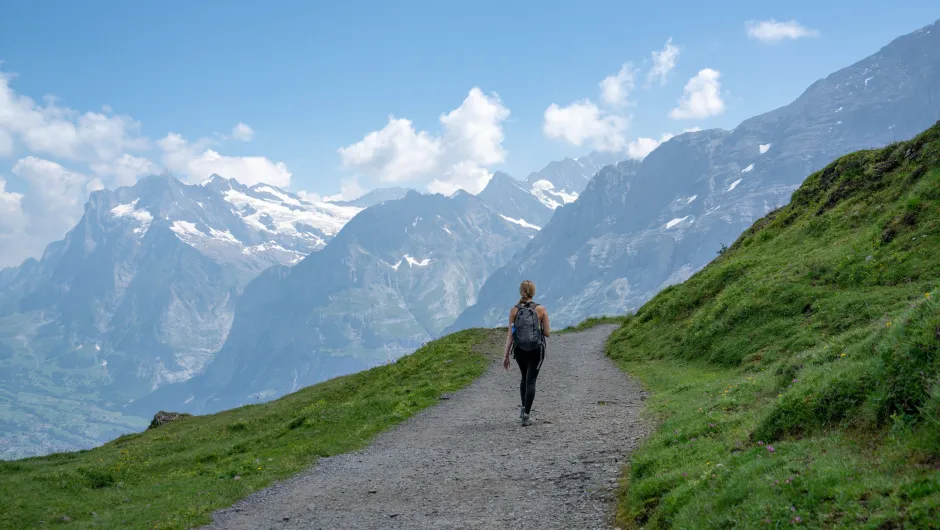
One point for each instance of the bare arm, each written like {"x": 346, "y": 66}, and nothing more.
{"x": 546, "y": 328}
{"x": 512, "y": 318}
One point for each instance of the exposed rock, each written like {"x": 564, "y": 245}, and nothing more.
{"x": 164, "y": 417}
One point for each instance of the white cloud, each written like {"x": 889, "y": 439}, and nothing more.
{"x": 6, "y": 143}
{"x": 243, "y": 132}
{"x": 49, "y": 134}
{"x": 471, "y": 138}
{"x": 583, "y": 123}
{"x": 465, "y": 175}
{"x": 638, "y": 149}
{"x": 64, "y": 133}
{"x": 51, "y": 207}
{"x": 616, "y": 88}
{"x": 54, "y": 186}
{"x": 126, "y": 169}
{"x": 701, "y": 97}
{"x": 195, "y": 161}
{"x": 641, "y": 147}
{"x": 395, "y": 153}
{"x": 94, "y": 184}
{"x": 663, "y": 63}
{"x": 349, "y": 190}
{"x": 473, "y": 131}
{"x": 11, "y": 213}
{"x": 771, "y": 31}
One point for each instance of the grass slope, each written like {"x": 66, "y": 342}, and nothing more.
{"x": 176, "y": 475}
{"x": 590, "y": 323}
{"x": 796, "y": 379}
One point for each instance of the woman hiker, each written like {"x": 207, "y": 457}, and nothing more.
{"x": 528, "y": 327}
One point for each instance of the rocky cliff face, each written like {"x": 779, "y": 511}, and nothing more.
{"x": 392, "y": 279}
{"x": 634, "y": 231}
{"x": 140, "y": 293}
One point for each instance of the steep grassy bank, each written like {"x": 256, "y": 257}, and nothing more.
{"x": 796, "y": 378}
{"x": 175, "y": 475}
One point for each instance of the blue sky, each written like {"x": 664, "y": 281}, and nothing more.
{"x": 309, "y": 78}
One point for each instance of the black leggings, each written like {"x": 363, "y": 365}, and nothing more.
{"x": 529, "y": 364}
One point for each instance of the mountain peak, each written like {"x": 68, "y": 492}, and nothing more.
{"x": 220, "y": 183}
{"x": 500, "y": 181}
{"x": 376, "y": 196}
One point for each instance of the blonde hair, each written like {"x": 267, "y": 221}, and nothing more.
{"x": 526, "y": 291}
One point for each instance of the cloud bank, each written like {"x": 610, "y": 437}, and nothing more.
{"x": 771, "y": 31}
{"x": 59, "y": 154}
{"x": 470, "y": 140}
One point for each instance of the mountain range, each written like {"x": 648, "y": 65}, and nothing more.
{"x": 141, "y": 295}
{"x": 638, "y": 228}
{"x": 203, "y": 297}
{"x": 394, "y": 278}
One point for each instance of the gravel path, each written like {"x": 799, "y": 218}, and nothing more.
{"x": 467, "y": 463}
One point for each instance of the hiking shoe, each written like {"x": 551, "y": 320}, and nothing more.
{"x": 526, "y": 421}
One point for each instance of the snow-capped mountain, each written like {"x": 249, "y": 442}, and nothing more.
{"x": 561, "y": 181}
{"x": 393, "y": 278}
{"x": 634, "y": 231}
{"x": 273, "y": 225}
{"x": 139, "y": 294}
{"x": 510, "y": 198}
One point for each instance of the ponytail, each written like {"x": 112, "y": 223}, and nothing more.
{"x": 526, "y": 292}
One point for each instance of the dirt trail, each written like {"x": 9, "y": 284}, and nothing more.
{"x": 467, "y": 463}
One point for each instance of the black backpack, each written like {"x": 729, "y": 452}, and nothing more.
{"x": 527, "y": 329}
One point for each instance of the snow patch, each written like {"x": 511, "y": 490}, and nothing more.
{"x": 867, "y": 79}
{"x": 104, "y": 364}
{"x": 520, "y": 222}
{"x": 277, "y": 193}
{"x": 734, "y": 184}
{"x": 838, "y": 109}
{"x": 675, "y": 221}
{"x": 130, "y": 210}
{"x": 446, "y": 230}
{"x": 764, "y": 148}
{"x": 546, "y": 193}
{"x": 186, "y": 231}
{"x": 224, "y": 236}
{"x": 415, "y": 263}
{"x": 748, "y": 169}
{"x": 185, "y": 228}
{"x": 692, "y": 198}
{"x": 326, "y": 217}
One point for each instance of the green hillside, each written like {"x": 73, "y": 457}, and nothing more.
{"x": 175, "y": 475}
{"x": 796, "y": 382}
{"x": 796, "y": 379}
